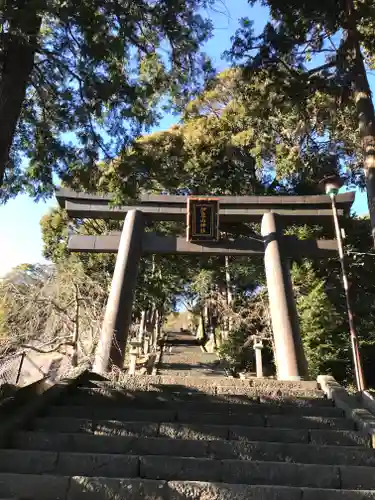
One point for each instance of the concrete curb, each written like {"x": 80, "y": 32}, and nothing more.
{"x": 352, "y": 405}
{"x": 368, "y": 402}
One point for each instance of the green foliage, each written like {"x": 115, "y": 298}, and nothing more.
{"x": 160, "y": 281}
{"x": 96, "y": 71}
{"x": 240, "y": 137}
{"x": 323, "y": 331}
{"x": 309, "y": 58}
{"x": 360, "y": 261}
{"x": 56, "y": 228}
{"x": 232, "y": 351}
{"x": 210, "y": 153}
{"x": 203, "y": 282}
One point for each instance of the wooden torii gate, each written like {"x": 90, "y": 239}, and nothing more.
{"x": 275, "y": 212}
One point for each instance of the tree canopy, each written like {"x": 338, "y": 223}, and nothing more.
{"x": 224, "y": 145}
{"x": 281, "y": 118}
{"x": 317, "y": 52}
{"x": 79, "y": 80}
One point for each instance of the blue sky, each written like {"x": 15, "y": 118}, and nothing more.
{"x": 19, "y": 218}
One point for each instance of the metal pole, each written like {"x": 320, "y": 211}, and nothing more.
{"x": 353, "y": 332}
{"x": 142, "y": 326}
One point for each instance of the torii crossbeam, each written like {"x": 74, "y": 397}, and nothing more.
{"x": 275, "y": 212}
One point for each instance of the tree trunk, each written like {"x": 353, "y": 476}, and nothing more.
{"x": 153, "y": 317}
{"x": 19, "y": 47}
{"x": 142, "y": 326}
{"x": 158, "y": 325}
{"x": 365, "y": 110}
{"x": 366, "y": 117}
{"x": 228, "y": 282}
{"x": 202, "y": 327}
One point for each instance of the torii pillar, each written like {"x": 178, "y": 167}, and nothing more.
{"x": 290, "y": 358}
{"x": 118, "y": 314}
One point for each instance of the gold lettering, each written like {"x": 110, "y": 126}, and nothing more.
{"x": 203, "y": 219}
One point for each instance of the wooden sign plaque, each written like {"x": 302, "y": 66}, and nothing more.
{"x": 202, "y": 219}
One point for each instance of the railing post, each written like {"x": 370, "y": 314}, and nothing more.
{"x": 23, "y": 355}
{"x": 118, "y": 314}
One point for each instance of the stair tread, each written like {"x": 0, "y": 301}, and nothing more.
{"x": 219, "y": 450}
{"x": 214, "y": 385}
{"x": 187, "y": 469}
{"x": 46, "y": 487}
{"x": 243, "y": 417}
{"x": 156, "y": 400}
{"x": 128, "y": 380}
{"x": 199, "y": 431}
{"x": 121, "y": 392}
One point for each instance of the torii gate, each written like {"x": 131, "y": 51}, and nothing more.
{"x": 274, "y": 211}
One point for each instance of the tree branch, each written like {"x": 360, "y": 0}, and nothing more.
{"x": 41, "y": 351}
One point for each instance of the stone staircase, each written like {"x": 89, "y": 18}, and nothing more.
{"x": 183, "y": 356}
{"x": 174, "y": 438}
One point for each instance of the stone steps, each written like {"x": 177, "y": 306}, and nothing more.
{"x": 213, "y": 439}
{"x": 169, "y": 468}
{"x": 221, "y": 417}
{"x": 197, "y": 431}
{"x": 206, "y": 403}
{"x": 177, "y": 390}
{"x": 219, "y": 386}
{"x": 49, "y": 487}
{"x": 215, "y": 449}
{"x": 107, "y": 440}
{"x": 250, "y": 408}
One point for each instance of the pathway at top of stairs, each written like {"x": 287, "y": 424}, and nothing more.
{"x": 183, "y": 356}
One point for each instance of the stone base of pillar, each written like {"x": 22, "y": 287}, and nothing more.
{"x": 291, "y": 378}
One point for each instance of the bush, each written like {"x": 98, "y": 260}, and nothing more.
{"x": 232, "y": 350}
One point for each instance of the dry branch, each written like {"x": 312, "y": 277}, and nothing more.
{"x": 40, "y": 309}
